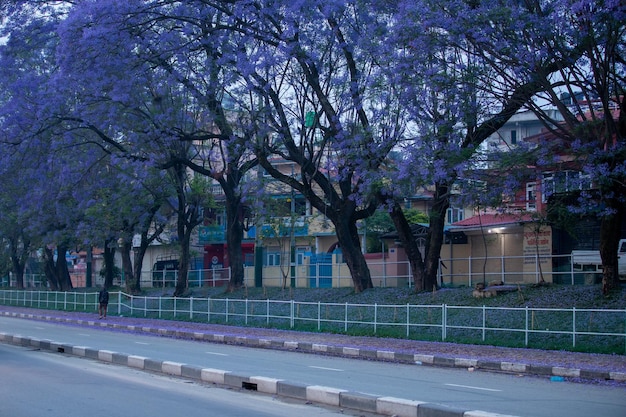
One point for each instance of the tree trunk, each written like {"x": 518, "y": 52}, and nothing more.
{"x": 350, "y": 244}
{"x": 435, "y": 235}
{"x": 138, "y": 262}
{"x": 183, "y": 261}
{"x": 234, "y": 238}
{"x": 410, "y": 244}
{"x": 62, "y": 272}
{"x": 109, "y": 263}
{"x": 610, "y": 234}
{"x": 135, "y": 284}
{"x": 49, "y": 269}
{"x": 127, "y": 265}
{"x": 18, "y": 270}
{"x": 19, "y": 253}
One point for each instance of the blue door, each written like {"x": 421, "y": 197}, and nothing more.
{"x": 321, "y": 271}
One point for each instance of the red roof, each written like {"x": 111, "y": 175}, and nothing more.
{"x": 493, "y": 219}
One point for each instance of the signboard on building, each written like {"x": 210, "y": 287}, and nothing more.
{"x": 211, "y": 234}
{"x": 538, "y": 251}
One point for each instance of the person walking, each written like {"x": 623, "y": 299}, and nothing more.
{"x": 103, "y": 300}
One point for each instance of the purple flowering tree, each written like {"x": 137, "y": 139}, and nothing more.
{"x": 63, "y": 137}
{"x": 33, "y": 157}
{"x": 575, "y": 52}
{"x": 173, "y": 56}
{"x": 460, "y": 68}
{"x": 325, "y": 106}
{"x": 594, "y": 117}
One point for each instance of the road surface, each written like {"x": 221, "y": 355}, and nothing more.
{"x": 510, "y": 394}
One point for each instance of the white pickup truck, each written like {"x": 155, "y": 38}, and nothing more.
{"x": 590, "y": 260}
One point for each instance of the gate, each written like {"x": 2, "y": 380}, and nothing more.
{"x": 321, "y": 271}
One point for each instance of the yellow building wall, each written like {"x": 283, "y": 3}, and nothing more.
{"x": 507, "y": 255}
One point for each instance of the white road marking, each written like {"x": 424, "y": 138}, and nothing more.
{"x": 141, "y": 343}
{"x": 326, "y": 369}
{"x": 84, "y": 334}
{"x": 217, "y": 354}
{"x": 476, "y": 388}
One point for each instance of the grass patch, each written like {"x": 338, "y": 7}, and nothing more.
{"x": 542, "y": 317}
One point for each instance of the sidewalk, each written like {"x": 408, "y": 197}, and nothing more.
{"x": 552, "y": 364}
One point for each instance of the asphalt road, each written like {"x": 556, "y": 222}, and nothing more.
{"x": 498, "y": 393}
{"x": 41, "y": 384}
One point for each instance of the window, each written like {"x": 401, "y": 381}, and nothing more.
{"x": 455, "y": 215}
{"x": 300, "y": 255}
{"x": 531, "y": 196}
{"x": 564, "y": 182}
{"x": 513, "y": 137}
{"x": 272, "y": 257}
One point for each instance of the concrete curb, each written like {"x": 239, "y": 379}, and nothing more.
{"x": 351, "y": 352}
{"x": 335, "y": 397}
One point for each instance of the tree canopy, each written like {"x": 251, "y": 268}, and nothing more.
{"x": 102, "y": 100}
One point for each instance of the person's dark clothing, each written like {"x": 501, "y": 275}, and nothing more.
{"x": 103, "y": 297}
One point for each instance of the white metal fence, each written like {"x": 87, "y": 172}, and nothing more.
{"x": 452, "y": 272}
{"x": 524, "y": 326}
{"x": 515, "y": 269}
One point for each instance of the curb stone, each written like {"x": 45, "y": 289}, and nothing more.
{"x": 345, "y": 351}
{"x": 335, "y": 397}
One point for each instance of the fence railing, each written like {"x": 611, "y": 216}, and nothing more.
{"x": 531, "y": 268}
{"x": 574, "y": 328}
{"x": 452, "y": 272}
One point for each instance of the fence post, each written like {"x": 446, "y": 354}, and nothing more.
{"x": 573, "y": 327}
{"x": 190, "y": 308}
{"x": 208, "y": 309}
{"x": 226, "y": 310}
{"x": 267, "y": 310}
{"x": 443, "y": 322}
{"x": 291, "y": 314}
{"x": 526, "y": 330}
{"x": 408, "y": 319}
{"x": 537, "y": 268}
{"x": 345, "y": 319}
{"x": 319, "y": 315}
{"x": 246, "y": 312}
{"x": 317, "y": 276}
{"x": 375, "y": 316}
{"x": 469, "y": 271}
{"x": 484, "y": 320}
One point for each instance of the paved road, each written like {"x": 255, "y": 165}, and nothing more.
{"x": 499, "y": 393}
{"x": 40, "y": 384}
